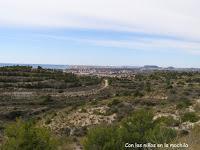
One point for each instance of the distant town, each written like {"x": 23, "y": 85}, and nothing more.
{"x": 121, "y": 72}
{"x": 106, "y": 71}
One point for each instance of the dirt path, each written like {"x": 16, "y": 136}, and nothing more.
{"x": 86, "y": 93}
{"x": 106, "y": 84}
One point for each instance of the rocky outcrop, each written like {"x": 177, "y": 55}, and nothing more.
{"x": 76, "y": 123}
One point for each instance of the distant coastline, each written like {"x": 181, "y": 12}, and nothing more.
{"x": 47, "y": 66}
{"x": 64, "y": 67}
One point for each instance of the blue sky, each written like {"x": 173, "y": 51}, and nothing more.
{"x": 127, "y": 32}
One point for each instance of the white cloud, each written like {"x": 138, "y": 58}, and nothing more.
{"x": 166, "y": 17}
{"x": 146, "y": 44}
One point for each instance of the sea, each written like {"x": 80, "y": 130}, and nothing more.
{"x": 46, "y": 66}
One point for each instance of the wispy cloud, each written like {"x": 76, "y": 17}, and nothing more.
{"x": 156, "y": 16}
{"x": 175, "y": 18}
{"x": 136, "y": 43}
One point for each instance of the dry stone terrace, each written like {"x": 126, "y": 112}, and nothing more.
{"x": 25, "y": 91}
{"x": 80, "y": 119}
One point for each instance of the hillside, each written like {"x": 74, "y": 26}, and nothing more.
{"x": 70, "y": 105}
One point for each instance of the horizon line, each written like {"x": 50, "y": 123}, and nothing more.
{"x": 94, "y": 65}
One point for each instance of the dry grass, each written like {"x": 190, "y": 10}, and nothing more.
{"x": 192, "y": 139}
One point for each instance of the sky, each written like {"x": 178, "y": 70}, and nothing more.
{"x": 101, "y": 32}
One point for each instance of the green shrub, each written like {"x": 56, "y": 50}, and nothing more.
{"x": 185, "y": 103}
{"x": 99, "y": 138}
{"x": 160, "y": 134}
{"x": 26, "y": 136}
{"x": 168, "y": 121}
{"x": 138, "y": 93}
{"x": 114, "y": 102}
{"x": 138, "y": 128}
{"x": 189, "y": 116}
{"x": 47, "y": 99}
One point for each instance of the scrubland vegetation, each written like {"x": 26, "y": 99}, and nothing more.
{"x": 75, "y": 112}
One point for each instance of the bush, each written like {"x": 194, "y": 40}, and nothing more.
{"x": 99, "y": 138}
{"x": 139, "y": 128}
{"x": 168, "y": 121}
{"x": 185, "y": 103}
{"x": 190, "y": 116}
{"x": 47, "y": 99}
{"x": 26, "y": 136}
{"x": 160, "y": 134}
{"x": 114, "y": 102}
{"x": 138, "y": 93}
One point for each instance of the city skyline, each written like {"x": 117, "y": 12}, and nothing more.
{"x": 105, "y": 33}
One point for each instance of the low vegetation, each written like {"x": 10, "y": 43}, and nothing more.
{"x": 26, "y": 136}
{"x": 147, "y": 107}
{"x": 138, "y": 128}
{"x": 190, "y": 116}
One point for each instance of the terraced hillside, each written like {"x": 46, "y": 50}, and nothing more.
{"x": 26, "y": 92}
